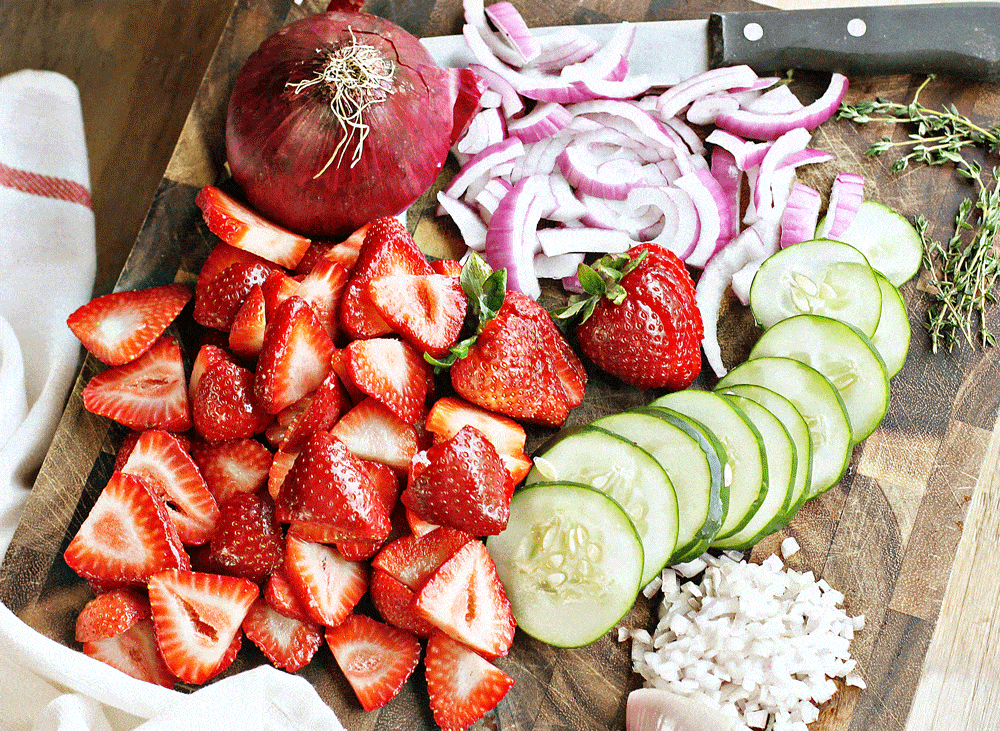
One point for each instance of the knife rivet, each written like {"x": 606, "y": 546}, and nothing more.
{"x": 857, "y": 27}
{"x": 753, "y": 31}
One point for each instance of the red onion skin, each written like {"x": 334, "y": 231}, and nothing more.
{"x": 277, "y": 141}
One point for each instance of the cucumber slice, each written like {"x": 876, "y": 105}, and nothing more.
{"x": 820, "y": 405}
{"x": 892, "y": 336}
{"x": 746, "y": 462}
{"x": 629, "y": 475}
{"x": 841, "y": 353}
{"x": 797, "y": 429}
{"x": 889, "y": 241}
{"x": 781, "y": 465}
{"x": 686, "y": 464}
{"x": 570, "y": 562}
{"x": 822, "y": 277}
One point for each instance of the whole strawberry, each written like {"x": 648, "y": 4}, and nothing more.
{"x": 639, "y": 318}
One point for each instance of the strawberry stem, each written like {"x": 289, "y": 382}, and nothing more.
{"x": 601, "y": 280}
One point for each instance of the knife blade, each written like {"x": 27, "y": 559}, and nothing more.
{"x": 957, "y": 38}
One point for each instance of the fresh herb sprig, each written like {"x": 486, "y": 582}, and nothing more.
{"x": 962, "y": 271}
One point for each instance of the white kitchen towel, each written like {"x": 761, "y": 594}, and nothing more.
{"x": 47, "y": 265}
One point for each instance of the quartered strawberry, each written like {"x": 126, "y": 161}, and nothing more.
{"x": 463, "y": 686}
{"x": 224, "y": 407}
{"x": 280, "y": 466}
{"x": 448, "y": 267}
{"x": 280, "y": 594}
{"x": 388, "y": 248}
{"x": 232, "y": 467}
{"x": 376, "y": 659}
{"x": 197, "y": 618}
{"x": 220, "y": 258}
{"x": 394, "y": 601}
{"x": 322, "y": 288}
{"x": 239, "y": 226}
{"x": 219, "y": 300}
{"x": 328, "y": 585}
{"x": 160, "y": 461}
{"x": 385, "y": 483}
{"x": 287, "y": 642}
{"x": 134, "y": 652}
{"x": 111, "y": 613}
{"x": 371, "y": 431}
{"x": 317, "y": 411}
{"x": 418, "y": 526}
{"x": 392, "y": 372}
{"x": 412, "y": 559}
{"x": 346, "y": 252}
{"x": 127, "y": 536}
{"x": 465, "y": 599}
{"x": 427, "y": 310}
{"x": 449, "y": 414}
{"x": 148, "y": 393}
{"x": 246, "y": 333}
{"x": 119, "y": 327}
{"x": 208, "y": 353}
{"x": 339, "y": 364}
{"x": 132, "y": 438}
{"x": 295, "y": 357}
{"x": 248, "y": 541}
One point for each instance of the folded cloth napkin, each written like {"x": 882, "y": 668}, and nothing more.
{"x": 47, "y": 270}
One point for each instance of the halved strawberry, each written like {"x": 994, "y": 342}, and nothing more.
{"x": 465, "y": 599}
{"x": 241, "y": 465}
{"x": 428, "y": 310}
{"x": 248, "y": 541}
{"x": 280, "y": 466}
{"x": 280, "y": 594}
{"x": 463, "y": 686}
{"x": 224, "y": 407}
{"x": 127, "y": 536}
{"x": 393, "y": 372}
{"x": 219, "y": 300}
{"x": 208, "y": 353}
{"x": 394, "y": 601}
{"x": 322, "y": 288}
{"x": 239, "y": 226}
{"x": 246, "y": 333}
{"x": 295, "y": 357}
{"x": 371, "y": 431}
{"x": 377, "y": 659}
{"x": 448, "y": 267}
{"x": 119, "y": 327}
{"x": 278, "y": 287}
{"x": 338, "y": 362}
{"x": 328, "y": 585}
{"x": 134, "y": 652}
{"x": 148, "y": 393}
{"x": 197, "y": 618}
{"x": 111, "y": 613}
{"x": 412, "y": 559}
{"x": 317, "y": 411}
{"x": 288, "y": 643}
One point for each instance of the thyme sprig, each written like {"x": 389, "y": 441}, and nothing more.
{"x": 962, "y": 271}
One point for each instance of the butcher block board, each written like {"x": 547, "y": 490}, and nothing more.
{"x": 889, "y": 535}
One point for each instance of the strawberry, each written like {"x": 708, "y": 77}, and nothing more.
{"x": 127, "y": 536}
{"x": 119, "y": 327}
{"x": 111, "y": 613}
{"x": 295, "y": 357}
{"x": 371, "y": 431}
{"x": 465, "y": 599}
{"x": 248, "y": 541}
{"x": 317, "y": 411}
{"x": 246, "y": 333}
{"x": 388, "y": 248}
{"x": 339, "y": 364}
{"x": 280, "y": 466}
{"x": 418, "y": 526}
{"x": 463, "y": 686}
{"x": 197, "y": 618}
{"x": 394, "y": 601}
{"x": 644, "y": 325}
{"x": 278, "y": 287}
{"x": 448, "y": 267}
{"x": 280, "y": 594}
{"x": 160, "y": 461}
{"x": 134, "y": 652}
{"x": 220, "y": 300}
{"x": 377, "y": 659}
{"x": 220, "y": 258}
{"x": 148, "y": 393}
{"x": 288, "y": 643}
{"x": 208, "y": 353}
{"x": 328, "y": 585}
{"x": 239, "y": 226}
{"x": 322, "y": 288}
{"x": 428, "y": 310}
{"x": 327, "y": 485}
{"x": 392, "y": 372}
{"x": 224, "y": 407}
{"x": 385, "y": 483}
{"x": 346, "y": 252}
{"x": 461, "y": 483}
{"x": 412, "y": 559}
{"x": 232, "y": 467}
{"x": 132, "y": 438}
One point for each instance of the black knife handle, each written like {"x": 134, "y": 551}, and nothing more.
{"x": 962, "y": 39}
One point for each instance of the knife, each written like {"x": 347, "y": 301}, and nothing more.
{"x": 961, "y": 39}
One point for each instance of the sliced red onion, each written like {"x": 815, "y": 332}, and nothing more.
{"x": 634, "y": 122}
{"x": 482, "y": 164}
{"x": 559, "y": 266}
{"x": 568, "y": 208}
{"x": 490, "y": 99}
{"x": 510, "y": 101}
{"x": 680, "y": 227}
{"x": 743, "y": 279}
{"x": 674, "y": 99}
{"x": 757, "y": 126}
{"x": 609, "y": 62}
{"x": 706, "y": 109}
{"x": 487, "y": 128}
{"x": 779, "y": 100}
{"x": 476, "y": 20}
{"x": 572, "y": 284}
{"x": 490, "y": 196}
{"x": 622, "y": 215}
{"x": 470, "y": 225}
{"x": 611, "y": 88}
{"x": 725, "y": 170}
{"x": 561, "y": 48}
{"x": 539, "y": 158}
{"x": 563, "y": 240}
{"x": 541, "y": 122}
{"x": 793, "y": 141}
{"x": 512, "y": 237}
{"x": 512, "y": 28}
{"x": 798, "y": 222}
{"x": 688, "y": 135}
{"x": 846, "y": 195}
{"x": 611, "y": 178}
{"x": 808, "y": 156}
{"x": 713, "y": 214}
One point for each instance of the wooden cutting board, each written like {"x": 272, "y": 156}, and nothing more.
{"x": 887, "y": 535}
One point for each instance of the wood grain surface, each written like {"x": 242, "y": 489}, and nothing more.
{"x": 917, "y": 509}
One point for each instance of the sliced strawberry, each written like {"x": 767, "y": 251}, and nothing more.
{"x": 448, "y": 267}
{"x": 288, "y": 643}
{"x": 232, "y": 467}
{"x": 418, "y": 526}
{"x": 134, "y": 652}
{"x": 393, "y": 372}
{"x": 295, "y": 358}
{"x": 394, "y": 601}
{"x": 322, "y": 288}
{"x": 277, "y": 288}
{"x": 119, "y": 327}
{"x": 377, "y": 659}
{"x": 248, "y": 541}
{"x": 317, "y": 411}
{"x": 280, "y": 466}
{"x": 428, "y": 310}
{"x": 463, "y": 686}
{"x": 218, "y": 301}
{"x": 132, "y": 438}
{"x": 412, "y": 559}
{"x": 111, "y": 613}
{"x": 348, "y": 250}
{"x": 246, "y": 333}
{"x": 224, "y": 407}
{"x": 339, "y": 364}
{"x": 328, "y": 486}
{"x": 208, "y": 353}
{"x": 373, "y": 432}
{"x": 328, "y": 585}
{"x": 239, "y": 226}
{"x": 388, "y": 248}
{"x": 127, "y": 537}
{"x": 148, "y": 393}
{"x": 316, "y": 251}
{"x": 280, "y": 594}
{"x": 465, "y": 599}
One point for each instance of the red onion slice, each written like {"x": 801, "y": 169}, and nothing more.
{"x": 725, "y": 170}
{"x": 482, "y": 164}
{"x": 846, "y": 195}
{"x": 705, "y": 110}
{"x": 609, "y": 62}
{"x": 808, "y": 156}
{"x": 680, "y": 227}
{"x": 779, "y": 100}
{"x": 798, "y": 222}
{"x": 674, "y": 99}
{"x": 541, "y": 122}
{"x": 559, "y": 266}
{"x": 487, "y": 128}
{"x": 561, "y": 48}
{"x": 490, "y": 196}
{"x": 512, "y": 28}
{"x": 583, "y": 240}
{"x": 470, "y": 225}
{"x": 512, "y": 237}
{"x": 610, "y": 178}
{"x": 757, "y": 126}
{"x": 771, "y": 186}
{"x": 713, "y": 214}
{"x": 567, "y": 207}
{"x": 510, "y": 101}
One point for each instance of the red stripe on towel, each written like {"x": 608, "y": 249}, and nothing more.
{"x": 44, "y": 185}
